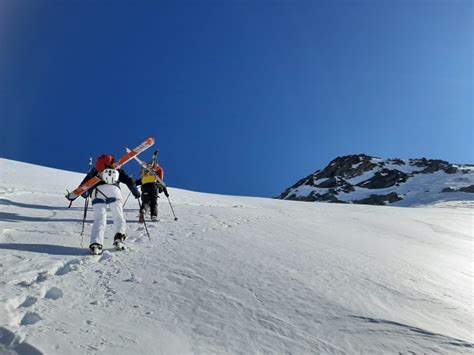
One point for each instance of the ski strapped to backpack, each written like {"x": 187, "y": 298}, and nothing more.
{"x": 145, "y": 166}
{"x": 71, "y": 196}
{"x": 148, "y": 173}
{"x": 159, "y": 181}
{"x": 154, "y": 157}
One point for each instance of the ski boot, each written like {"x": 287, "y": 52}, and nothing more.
{"x": 96, "y": 248}
{"x": 154, "y": 218}
{"x": 118, "y": 241}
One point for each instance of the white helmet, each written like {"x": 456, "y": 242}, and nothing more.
{"x": 110, "y": 176}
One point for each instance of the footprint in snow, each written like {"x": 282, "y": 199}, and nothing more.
{"x": 11, "y": 344}
{"x": 28, "y": 302}
{"x": 53, "y": 293}
{"x": 60, "y": 271}
{"x": 30, "y": 318}
{"x": 41, "y": 277}
{"x": 106, "y": 255}
{"x": 72, "y": 265}
{"x": 133, "y": 279}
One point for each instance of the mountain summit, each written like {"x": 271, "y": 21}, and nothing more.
{"x": 370, "y": 180}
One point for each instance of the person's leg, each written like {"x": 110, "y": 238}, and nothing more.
{"x": 120, "y": 225}
{"x": 100, "y": 221}
{"x": 146, "y": 198}
{"x": 154, "y": 204}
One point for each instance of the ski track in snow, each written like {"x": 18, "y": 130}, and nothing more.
{"x": 233, "y": 275}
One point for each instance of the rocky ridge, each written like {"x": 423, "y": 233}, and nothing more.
{"x": 370, "y": 180}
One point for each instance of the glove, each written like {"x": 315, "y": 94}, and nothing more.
{"x": 137, "y": 194}
{"x": 70, "y": 197}
{"x": 159, "y": 187}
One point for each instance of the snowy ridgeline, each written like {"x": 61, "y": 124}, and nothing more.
{"x": 233, "y": 275}
{"x": 363, "y": 179}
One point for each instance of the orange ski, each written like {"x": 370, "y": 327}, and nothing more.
{"x": 71, "y": 196}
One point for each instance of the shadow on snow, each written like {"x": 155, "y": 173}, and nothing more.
{"x": 6, "y": 202}
{"x": 10, "y": 344}
{"x": 44, "y": 249}
{"x": 15, "y": 217}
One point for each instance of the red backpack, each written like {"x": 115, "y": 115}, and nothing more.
{"x": 159, "y": 171}
{"x": 104, "y": 161}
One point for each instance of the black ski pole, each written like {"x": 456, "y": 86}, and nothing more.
{"x": 126, "y": 199}
{"x": 86, "y": 206}
{"x": 144, "y": 222}
{"x": 165, "y": 190}
{"x": 157, "y": 208}
{"x": 67, "y": 195}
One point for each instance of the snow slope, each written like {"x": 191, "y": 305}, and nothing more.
{"x": 233, "y": 275}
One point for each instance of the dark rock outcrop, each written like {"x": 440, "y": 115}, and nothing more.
{"x": 379, "y": 199}
{"x": 383, "y": 179}
{"x": 344, "y": 167}
{"x": 469, "y": 189}
{"x": 396, "y": 162}
{"x": 433, "y": 165}
{"x": 354, "y": 173}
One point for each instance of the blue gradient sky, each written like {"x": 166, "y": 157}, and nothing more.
{"x": 243, "y": 97}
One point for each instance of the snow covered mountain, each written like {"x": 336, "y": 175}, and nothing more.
{"x": 234, "y": 275}
{"x": 368, "y": 180}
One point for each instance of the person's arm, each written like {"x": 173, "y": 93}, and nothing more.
{"x": 90, "y": 174}
{"x": 128, "y": 180}
{"x": 159, "y": 172}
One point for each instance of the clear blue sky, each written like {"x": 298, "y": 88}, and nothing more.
{"x": 243, "y": 97}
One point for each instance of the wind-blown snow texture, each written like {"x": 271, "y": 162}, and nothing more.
{"x": 233, "y": 275}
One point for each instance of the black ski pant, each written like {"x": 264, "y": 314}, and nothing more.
{"x": 150, "y": 198}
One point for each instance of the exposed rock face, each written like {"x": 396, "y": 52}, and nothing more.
{"x": 469, "y": 189}
{"x": 363, "y": 179}
{"x": 430, "y": 166}
{"x": 379, "y": 199}
{"x": 347, "y": 167}
{"x": 384, "y": 178}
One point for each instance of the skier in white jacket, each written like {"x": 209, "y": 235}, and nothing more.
{"x": 108, "y": 193}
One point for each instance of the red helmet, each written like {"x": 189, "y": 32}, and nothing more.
{"x": 104, "y": 161}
